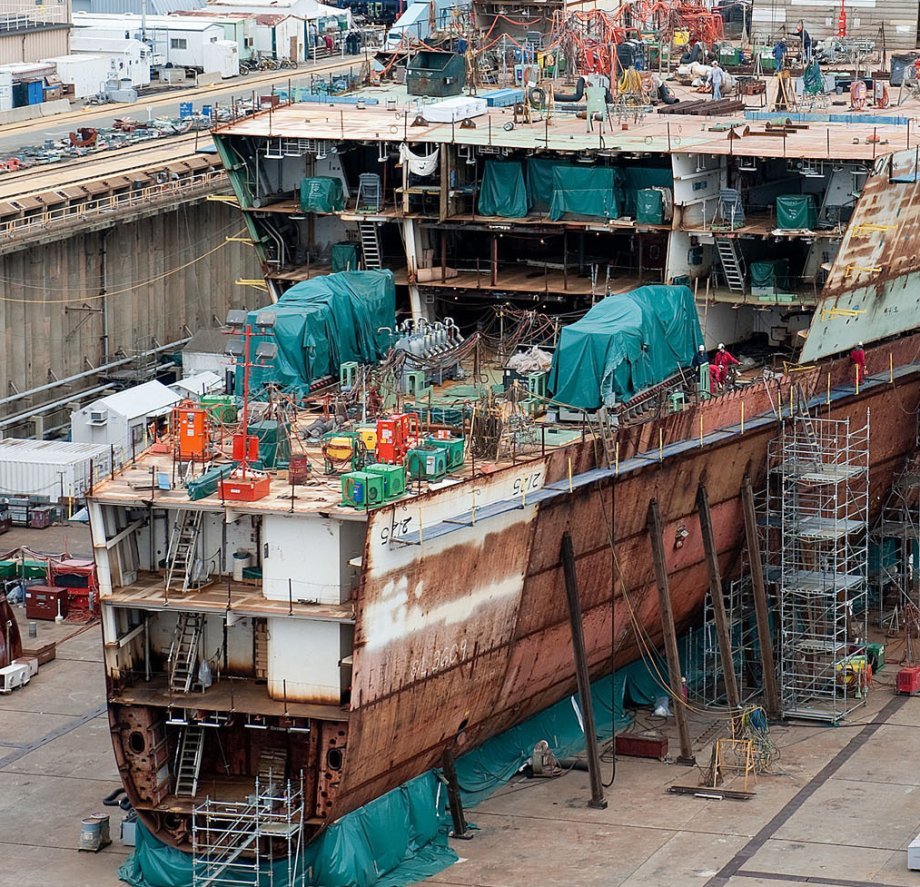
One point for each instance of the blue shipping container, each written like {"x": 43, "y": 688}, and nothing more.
{"x": 36, "y": 92}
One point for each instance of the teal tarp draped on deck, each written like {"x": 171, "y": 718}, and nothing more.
{"x": 322, "y": 323}
{"x": 624, "y": 344}
{"x": 322, "y": 194}
{"x": 583, "y": 192}
{"x": 796, "y": 212}
{"x": 502, "y": 192}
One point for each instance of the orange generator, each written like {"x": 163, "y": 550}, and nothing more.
{"x": 192, "y": 429}
{"x": 395, "y": 436}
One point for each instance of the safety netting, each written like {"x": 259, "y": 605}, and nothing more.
{"x": 624, "y": 344}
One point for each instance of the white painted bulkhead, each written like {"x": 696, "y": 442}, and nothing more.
{"x": 303, "y": 660}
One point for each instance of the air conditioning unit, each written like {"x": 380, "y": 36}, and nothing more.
{"x": 98, "y": 417}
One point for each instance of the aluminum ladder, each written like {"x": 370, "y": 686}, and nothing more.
{"x": 732, "y": 263}
{"x": 183, "y": 654}
{"x": 188, "y": 761}
{"x": 370, "y": 245}
{"x": 180, "y": 558}
{"x": 369, "y": 193}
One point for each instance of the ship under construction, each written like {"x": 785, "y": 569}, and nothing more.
{"x": 355, "y": 564}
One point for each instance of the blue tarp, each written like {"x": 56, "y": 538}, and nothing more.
{"x": 624, "y": 344}
{"x": 321, "y": 324}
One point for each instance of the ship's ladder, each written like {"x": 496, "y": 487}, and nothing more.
{"x": 188, "y": 761}
{"x": 732, "y": 263}
{"x": 183, "y": 568}
{"x": 272, "y": 766}
{"x": 183, "y": 653}
{"x": 370, "y": 244}
{"x": 605, "y": 433}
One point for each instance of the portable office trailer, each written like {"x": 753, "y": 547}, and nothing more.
{"x": 52, "y": 469}
{"x": 83, "y": 75}
{"x": 130, "y": 58}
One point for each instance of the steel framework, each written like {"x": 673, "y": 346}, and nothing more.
{"x": 819, "y": 503}
{"x": 256, "y": 841}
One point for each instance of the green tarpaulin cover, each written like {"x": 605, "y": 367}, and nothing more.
{"x": 772, "y": 272}
{"x": 322, "y": 194}
{"x": 322, "y": 323}
{"x": 344, "y": 257}
{"x": 796, "y": 211}
{"x": 398, "y": 839}
{"x": 502, "y": 192}
{"x": 624, "y": 344}
{"x": 649, "y": 207}
{"x": 583, "y": 192}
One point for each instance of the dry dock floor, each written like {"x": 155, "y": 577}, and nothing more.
{"x": 840, "y": 811}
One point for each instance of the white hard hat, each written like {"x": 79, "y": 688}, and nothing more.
{"x": 721, "y": 346}
{"x": 702, "y": 347}
{"x": 860, "y": 344}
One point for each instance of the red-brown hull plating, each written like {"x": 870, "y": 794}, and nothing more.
{"x": 462, "y": 635}
{"x": 455, "y": 686}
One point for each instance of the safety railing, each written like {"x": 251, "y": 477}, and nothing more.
{"x": 89, "y": 210}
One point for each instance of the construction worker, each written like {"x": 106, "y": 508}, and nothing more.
{"x": 716, "y": 79}
{"x": 701, "y": 367}
{"x": 779, "y": 54}
{"x": 807, "y": 43}
{"x": 722, "y": 360}
{"x": 858, "y": 359}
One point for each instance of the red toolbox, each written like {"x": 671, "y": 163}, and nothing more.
{"x": 45, "y": 602}
{"x": 908, "y": 681}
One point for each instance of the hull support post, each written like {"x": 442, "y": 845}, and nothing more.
{"x": 581, "y": 673}
{"x": 670, "y": 634}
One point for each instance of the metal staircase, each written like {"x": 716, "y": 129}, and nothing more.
{"x": 188, "y": 761}
{"x": 182, "y": 568}
{"x": 370, "y": 244}
{"x": 183, "y": 654}
{"x": 732, "y": 263}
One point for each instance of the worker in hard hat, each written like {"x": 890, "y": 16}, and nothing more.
{"x": 700, "y": 364}
{"x": 716, "y": 78}
{"x": 858, "y": 359}
{"x": 722, "y": 360}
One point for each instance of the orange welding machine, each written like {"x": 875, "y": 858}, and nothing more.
{"x": 396, "y": 435}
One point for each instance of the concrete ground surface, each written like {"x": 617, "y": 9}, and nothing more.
{"x": 839, "y": 811}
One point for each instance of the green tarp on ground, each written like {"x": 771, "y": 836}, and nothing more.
{"x": 398, "y": 839}
{"x": 502, "y": 192}
{"x": 322, "y": 323}
{"x": 583, "y": 193}
{"x": 624, "y": 344}
{"x": 322, "y": 194}
{"x": 796, "y": 212}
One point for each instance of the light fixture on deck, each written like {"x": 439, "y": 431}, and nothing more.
{"x": 268, "y": 151}
{"x": 382, "y": 152}
{"x": 747, "y": 165}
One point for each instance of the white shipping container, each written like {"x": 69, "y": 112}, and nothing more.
{"x": 86, "y": 73}
{"x": 51, "y": 468}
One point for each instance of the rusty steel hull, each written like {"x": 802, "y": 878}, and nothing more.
{"x": 487, "y": 641}
{"x": 463, "y": 634}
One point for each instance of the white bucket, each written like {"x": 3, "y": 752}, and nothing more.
{"x": 241, "y": 560}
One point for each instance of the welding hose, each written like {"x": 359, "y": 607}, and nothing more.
{"x": 110, "y": 799}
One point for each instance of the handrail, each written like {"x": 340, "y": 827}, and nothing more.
{"x": 111, "y": 203}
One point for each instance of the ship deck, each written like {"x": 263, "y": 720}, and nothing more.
{"x": 148, "y": 592}
{"x": 830, "y": 135}
{"x": 229, "y": 695}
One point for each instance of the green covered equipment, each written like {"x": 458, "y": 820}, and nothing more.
{"x": 624, "y": 344}
{"x": 344, "y": 257}
{"x": 796, "y": 212}
{"x": 321, "y": 324}
{"x": 322, "y": 194}
{"x": 583, "y": 193}
{"x": 502, "y": 192}
{"x": 649, "y": 207}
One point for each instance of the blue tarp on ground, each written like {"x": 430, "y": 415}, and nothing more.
{"x": 624, "y": 344}
{"x": 321, "y": 324}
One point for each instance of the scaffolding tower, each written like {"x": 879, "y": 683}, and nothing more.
{"x": 819, "y": 479}
{"x": 255, "y": 841}
{"x": 895, "y": 551}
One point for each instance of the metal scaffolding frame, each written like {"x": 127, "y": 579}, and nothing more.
{"x": 819, "y": 503}
{"x": 894, "y": 570}
{"x": 256, "y": 841}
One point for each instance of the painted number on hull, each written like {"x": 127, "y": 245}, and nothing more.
{"x": 399, "y": 528}
{"x": 528, "y": 483}
{"x": 437, "y": 660}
